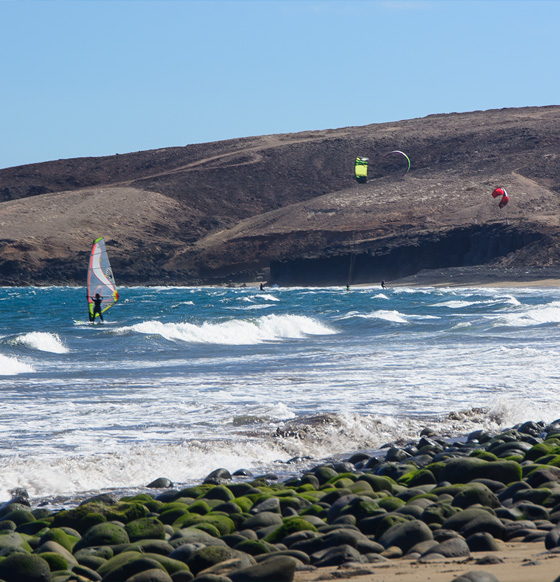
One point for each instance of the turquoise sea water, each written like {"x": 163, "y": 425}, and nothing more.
{"x": 180, "y": 381}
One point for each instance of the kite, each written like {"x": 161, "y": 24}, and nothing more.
{"x": 360, "y": 169}
{"x": 501, "y": 192}
{"x": 402, "y": 154}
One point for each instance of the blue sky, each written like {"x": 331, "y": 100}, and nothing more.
{"x": 93, "y": 78}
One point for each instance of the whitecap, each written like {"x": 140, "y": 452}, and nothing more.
{"x": 12, "y": 366}
{"x": 268, "y": 297}
{"x": 41, "y": 340}
{"x": 538, "y": 315}
{"x": 235, "y": 332}
{"x": 393, "y": 316}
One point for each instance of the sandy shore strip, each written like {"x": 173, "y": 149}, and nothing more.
{"x": 516, "y": 562}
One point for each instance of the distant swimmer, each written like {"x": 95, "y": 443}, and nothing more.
{"x": 383, "y": 285}
{"x": 97, "y": 307}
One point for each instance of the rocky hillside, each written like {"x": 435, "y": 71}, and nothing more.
{"x": 286, "y": 208}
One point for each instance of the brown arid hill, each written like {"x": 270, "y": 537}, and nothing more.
{"x": 286, "y": 208}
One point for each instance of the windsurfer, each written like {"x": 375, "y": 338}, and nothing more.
{"x": 97, "y": 307}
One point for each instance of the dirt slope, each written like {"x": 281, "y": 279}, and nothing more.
{"x": 229, "y": 211}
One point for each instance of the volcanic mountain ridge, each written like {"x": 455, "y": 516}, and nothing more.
{"x": 286, "y": 209}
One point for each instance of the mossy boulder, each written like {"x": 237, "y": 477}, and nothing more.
{"x": 417, "y": 477}
{"x": 208, "y": 528}
{"x": 386, "y": 522}
{"x": 263, "y": 519}
{"x": 406, "y": 535}
{"x": 220, "y": 492}
{"x": 223, "y": 524}
{"x": 81, "y": 518}
{"x": 361, "y": 487}
{"x": 209, "y": 556}
{"x": 24, "y": 568}
{"x": 171, "y": 515}
{"x": 20, "y": 516}
{"x": 104, "y": 552}
{"x": 484, "y": 455}
{"x": 192, "y": 535}
{"x": 244, "y": 503}
{"x": 475, "y": 493}
{"x": 145, "y": 528}
{"x": 229, "y": 507}
{"x": 360, "y": 507}
{"x": 540, "y": 450}
{"x": 155, "y": 575}
{"x": 289, "y": 526}
{"x": 473, "y": 520}
{"x": 117, "y": 561}
{"x": 52, "y": 547}
{"x": 294, "y": 502}
{"x": 324, "y": 473}
{"x": 126, "y": 512}
{"x": 316, "y": 510}
{"x": 54, "y": 560}
{"x": 439, "y": 512}
{"x": 60, "y": 536}
{"x": 196, "y": 491}
{"x": 390, "y": 503}
{"x": 171, "y": 565}
{"x": 134, "y": 565}
{"x": 255, "y": 547}
{"x": 103, "y": 534}
{"x": 93, "y": 562}
{"x": 537, "y": 496}
{"x": 9, "y": 539}
{"x": 465, "y": 469}
{"x": 379, "y": 482}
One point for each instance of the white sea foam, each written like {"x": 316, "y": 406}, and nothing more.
{"x": 135, "y": 466}
{"x": 455, "y": 304}
{"x": 10, "y": 366}
{"x": 236, "y": 331}
{"x": 462, "y": 325}
{"x": 268, "y": 297}
{"x": 43, "y": 341}
{"x": 392, "y": 315}
{"x": 534, "y": 315}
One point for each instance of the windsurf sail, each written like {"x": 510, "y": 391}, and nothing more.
{"x": 100, "y": 279}
{"x": 360, "y": 169}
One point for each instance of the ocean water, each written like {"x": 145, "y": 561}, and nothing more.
{"x": 180, "y": 381}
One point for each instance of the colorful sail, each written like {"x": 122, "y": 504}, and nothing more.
{"x": 501, "y": 192}
{"x": 360, "y": 169}
{"x": 401, "y": 154}
{"x": 100, "y": 278}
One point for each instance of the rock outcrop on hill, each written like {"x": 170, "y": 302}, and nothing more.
{"x": 286, "y": 208}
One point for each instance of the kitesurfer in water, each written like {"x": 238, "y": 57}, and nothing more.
{"x": 383, "y": 285}
{"x": 97, "y": 307}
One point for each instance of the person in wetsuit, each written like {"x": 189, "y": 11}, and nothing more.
{"x": 97, "y": 307}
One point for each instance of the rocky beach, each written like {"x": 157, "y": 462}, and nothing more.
{"x": 482, "y": 507}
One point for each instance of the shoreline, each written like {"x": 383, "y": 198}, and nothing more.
{"x": 432, "y": 509}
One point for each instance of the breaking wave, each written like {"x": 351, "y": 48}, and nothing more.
{"x": 268, "y": 328}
